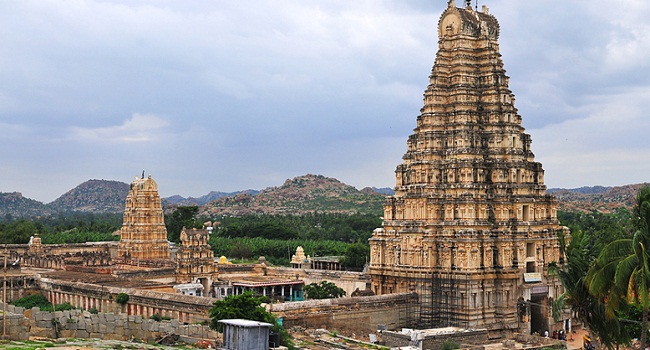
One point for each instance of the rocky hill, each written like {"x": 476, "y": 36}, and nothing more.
{"x": 300, "y": 195}
{"x": 13, "y": 204}
{"x": 203, "y": 200}
{"x": 598, "y": 198}
{"x": 97, "y": 196}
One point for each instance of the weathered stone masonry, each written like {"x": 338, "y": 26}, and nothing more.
{"x": 470, "y": 227}
{"x": 184, "y": 308}
{"x": 21, "y": 324}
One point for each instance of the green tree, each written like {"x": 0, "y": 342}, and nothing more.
{"x": 181, "y": 217}
{"x": 622, "y": 271}
{"x": 122, "y": 298}
{"x": 17, "y": 232}
{"x": 324, "y": 290}
{"x": 356, "y": 255}
{"x": 580, "y": 252}
{"x": 247, "y": 306}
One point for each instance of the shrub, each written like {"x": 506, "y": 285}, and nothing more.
{"x": 63, "y": 307}
{"x": 34, "y": 300}
{"x": 122, "y": 298}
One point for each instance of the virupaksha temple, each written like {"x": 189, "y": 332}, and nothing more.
{"x": 463, "y": 252}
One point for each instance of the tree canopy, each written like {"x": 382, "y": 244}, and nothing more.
{"x": 606, "y": 273}
{"x": 249, "y": 307}
{"x": 324, "y": 290}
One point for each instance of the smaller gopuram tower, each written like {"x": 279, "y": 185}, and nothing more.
{"x": 143, "y": 235}
{"x": 470, "y": 228}
{"x": 195, "y": 259}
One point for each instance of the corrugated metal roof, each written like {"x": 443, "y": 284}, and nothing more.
{"x": 245, "y": 323}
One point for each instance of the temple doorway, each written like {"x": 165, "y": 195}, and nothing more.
{"x": 538, "y": 319}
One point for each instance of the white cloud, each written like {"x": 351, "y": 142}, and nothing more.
{"x": 140, "y": 128}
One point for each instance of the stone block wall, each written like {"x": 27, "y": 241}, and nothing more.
{"x": 360, "y": 314}
{"x": 21, "y": 324}
{"x": 145, "y": 303}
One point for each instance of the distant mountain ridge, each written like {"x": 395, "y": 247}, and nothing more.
{"x": 300, "y": 195}
{"x": 203, "y": 200}
{"x": 598, "y": 198}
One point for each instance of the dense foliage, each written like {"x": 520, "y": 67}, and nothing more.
{"x": 323, "y": 290}
{"x": 39, "y": 301}
{"x": 63, "y": 228}
{"x": 356, "y": 256}
{"x": 277, "y": 252}
{"x": 247, "y": 306}
{"x": 335, "y": 227}
{"x": 606, "y": 274}
{"x": 17, "y": 232}
{"x": 179, "y": 218}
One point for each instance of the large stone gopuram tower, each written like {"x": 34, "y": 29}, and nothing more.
{"x": 470, "y": 227}
{"x": 143, "y": 235}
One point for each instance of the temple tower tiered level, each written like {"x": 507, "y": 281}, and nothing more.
{"x": 143, "y": 235}
{"x": 470, "y": 227}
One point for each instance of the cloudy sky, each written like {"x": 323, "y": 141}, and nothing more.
{"x": 230, "y": 95}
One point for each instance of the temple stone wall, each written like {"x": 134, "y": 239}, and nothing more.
{"x": 19, "y": 286}
{"x": 62, "y": 256}
{"x": 361, "y": 314}
{"x": 22, "y": 324}
{"x": 145, "y": 303}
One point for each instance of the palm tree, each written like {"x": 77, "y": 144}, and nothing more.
{"x": 580, "y": 253}
{"x": 622, "y": 271}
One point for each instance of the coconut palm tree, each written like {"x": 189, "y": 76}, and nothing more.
{"x": 580, "y": 252}
{"x": 622, "y": 271}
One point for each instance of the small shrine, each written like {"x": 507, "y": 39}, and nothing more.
{"x": 299, "y": 260}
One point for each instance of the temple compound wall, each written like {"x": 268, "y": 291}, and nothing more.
{"x": 470, "y": 227}
{"x": 23, "y": 324}
{"x": 61, "y": 256}
{"x": 361, "y": 314}
{"x": 145, "y": 303}
{"x": 18, "y": 286}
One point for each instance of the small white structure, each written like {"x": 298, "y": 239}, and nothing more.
{"x": 241, "y": 334}
{"x": 195, "y": 289}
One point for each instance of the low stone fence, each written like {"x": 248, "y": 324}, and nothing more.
{"x": 360, "y": 314}
{"x": 145, "y": 303}
{"x": 21, "y": 324}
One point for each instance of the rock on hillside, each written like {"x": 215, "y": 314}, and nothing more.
{"x": 300, "y": 195}
{"x": 598, "y": 198}
{"x": 15, "y": 205}
{"x": 97, "y": 196}
{"x": 203, "y": 200}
